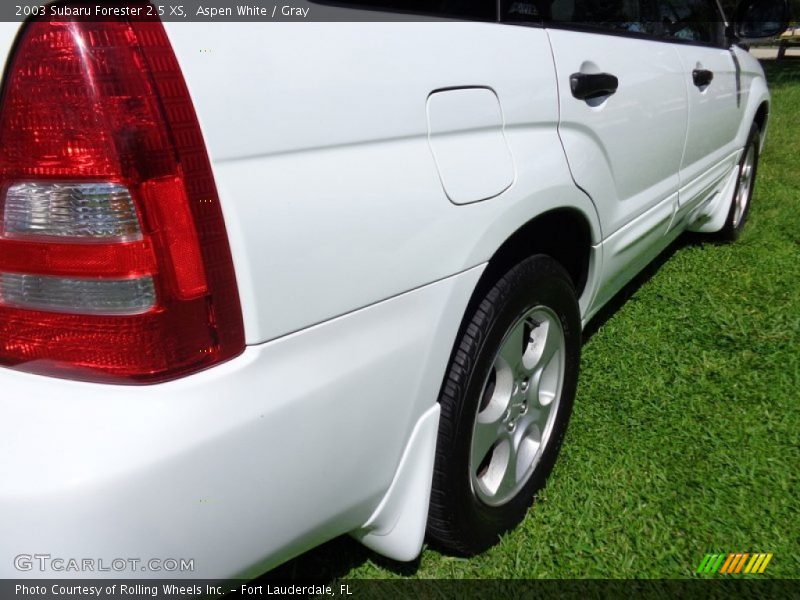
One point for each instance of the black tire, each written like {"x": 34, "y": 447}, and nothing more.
{"x": 458, "y": 520}
{"x": 733, "y": 227}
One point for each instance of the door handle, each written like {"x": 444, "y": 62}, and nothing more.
{"x": 586, "y": 86}
{"x": 702, "y": 77}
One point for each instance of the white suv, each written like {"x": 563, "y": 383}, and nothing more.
{"x": 266, "y": 284}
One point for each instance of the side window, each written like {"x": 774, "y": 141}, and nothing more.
{"x": 687, "y": 20}
{"x": 624, "y": 16}
{"x": 692, "y": 20}
{"x": 526, "y": 11}
{"x": 475, "y": 10}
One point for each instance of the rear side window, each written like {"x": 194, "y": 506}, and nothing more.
{"x": 624, "y": 16}
{"x": 692, "y": 20}
{"x": 529, "y": 11}
{"x": 677, "y": 20}
{"x": 475, "y": 10}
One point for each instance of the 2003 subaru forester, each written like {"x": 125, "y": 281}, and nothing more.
{"x": 351, "y": 260}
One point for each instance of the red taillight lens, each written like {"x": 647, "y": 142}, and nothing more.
{"x": 114, "y": 259}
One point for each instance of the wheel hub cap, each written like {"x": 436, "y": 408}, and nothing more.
{"x": 518, "y": 408}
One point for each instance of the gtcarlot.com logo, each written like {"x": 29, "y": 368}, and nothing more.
{"x": 48, "y": 563}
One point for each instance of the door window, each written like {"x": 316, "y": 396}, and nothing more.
{"x": 679, "y": 20}
{"x": 477, "y": 10}
{"x": 692, "y": 21}
{"x": 631, "y": 16}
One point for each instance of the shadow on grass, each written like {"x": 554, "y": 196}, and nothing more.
{"x": 334, "y": 560}
{"x": 618, "y": 301}
{"x": 338, "y": 557}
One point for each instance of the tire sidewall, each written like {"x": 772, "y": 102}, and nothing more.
{"x": 730, "y": 231}
{"x": 536, "y": 281}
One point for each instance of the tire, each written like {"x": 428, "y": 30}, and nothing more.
{"x": 531, "y": 316}
{"x": 745, "y": 183}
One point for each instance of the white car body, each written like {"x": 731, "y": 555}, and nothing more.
{"x": 368, "y": 173}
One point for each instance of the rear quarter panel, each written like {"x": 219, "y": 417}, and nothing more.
{"x": 318, "y": 136}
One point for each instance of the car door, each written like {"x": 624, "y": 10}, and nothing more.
{"x": 623, "y": 145}
{"x": 715, "y": 101}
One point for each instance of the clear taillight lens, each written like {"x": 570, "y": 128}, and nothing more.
{"x": 78, "y": 296}
{"x": 84, "y": 212}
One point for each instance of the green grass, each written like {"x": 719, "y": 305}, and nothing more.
{"x": 685, "y": 437}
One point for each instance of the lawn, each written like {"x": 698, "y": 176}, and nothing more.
{"x": 685, "y": 437}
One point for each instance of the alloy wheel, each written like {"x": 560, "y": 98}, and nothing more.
{"x": 518, "y": 406}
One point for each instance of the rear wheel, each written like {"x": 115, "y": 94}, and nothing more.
{"x": 505, "y": 405}
{"x": 740, "y": 205}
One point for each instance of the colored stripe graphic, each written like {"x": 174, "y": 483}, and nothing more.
{"x": 703, "y": 563}
{"x": 734, "y": 563}
{"x": 752, "y": 562}
{"x": 727, "y": 564}
{"x": 766, "y": 561}
{"x": 740, "y": 564}
{"x": 717, "y": 563}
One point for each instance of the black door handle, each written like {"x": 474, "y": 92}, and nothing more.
{"x": 586, "y": 86}
{"x": 702, "y": 77}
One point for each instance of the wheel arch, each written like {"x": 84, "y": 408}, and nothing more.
{"x": 564, "y": 234}
{"x": 761, "y": 118}
{"x": 398, "y": 524}
{"x": 757, "y": 108}
{"x": 711, "y": 218}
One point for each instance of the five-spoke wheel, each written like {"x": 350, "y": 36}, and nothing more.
{"x": 743, "y": 191}
{"x": 505, "y": 404}
{"x": 745, "y": 183}
{"x": 518, "y": 405}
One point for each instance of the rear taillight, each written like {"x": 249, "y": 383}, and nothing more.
{"x": 114, "y": 259}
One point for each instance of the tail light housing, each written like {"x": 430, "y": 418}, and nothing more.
{"x": 114, "y": 258}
